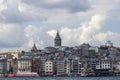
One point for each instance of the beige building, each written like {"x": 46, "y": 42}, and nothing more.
{"x": 24, "y": 65}
{"x": 48, "y": 67}
{"x": 60, "y": 67}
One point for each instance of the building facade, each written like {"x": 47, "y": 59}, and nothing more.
{"x": 60, "y": 67}
{"x": 104, "y": 64}
{"x": 68, "y": 68}
{"x": 104, "y": 67}
{"x": 48, "y": 67}
{"x": 75, "y": 67}
{"x": 3, "y": 66}
{"x": 14, "y": 65}
{"x": 24, "y": 65}
{"x": 36, "y": 65}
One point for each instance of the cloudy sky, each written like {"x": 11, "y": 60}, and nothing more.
{"x": 24, "y": 22}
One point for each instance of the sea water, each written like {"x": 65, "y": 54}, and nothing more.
{"x": 63, "y": 78}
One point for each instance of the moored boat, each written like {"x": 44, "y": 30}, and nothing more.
{"x": 26, "y": 74}
{"x": 11, "y": 75}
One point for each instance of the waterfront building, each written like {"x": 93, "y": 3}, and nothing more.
{"x": 9, "y": 66}
{"x": 36, "y": 65}
{"x": 68, "y": 67}
{"x": 49, "y": 68}
{"x": 75, "y": 67}
{"x": 5, "y": 57}
{"x": 42, "y": 65}
{"x": 104, "y": 64}
{"x": 24, "y": 65}
{"x": 14, "y": 65}
{"x": 3, "y": 66}
{"x": 104, "y": 67}
{"x": 60, "y": 67}
{"x": 84, "y": 67}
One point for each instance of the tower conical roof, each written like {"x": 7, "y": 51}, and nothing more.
{"x": 34, "y": 48}
{"x": 57, "y": 36}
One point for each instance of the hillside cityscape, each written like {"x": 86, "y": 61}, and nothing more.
{"x": 81, "y": 60}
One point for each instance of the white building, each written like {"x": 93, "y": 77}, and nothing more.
{"x": 48, "y": 67}
{"x": 24, "y": 65}
{"x": 68, "y": 68}
{"x": 109, "y": 43}
{"x": 104, "y": 64}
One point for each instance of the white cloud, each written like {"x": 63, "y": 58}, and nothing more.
{"x": 11, "y": 35}
{"x": 38, "y": 35}
{"x": 84, "y": 33}
{"x": 90, "y": 28}
{"x": 52, "y": 33}
{"x": 2, "y": 6}
{"x": 105, "y": 36}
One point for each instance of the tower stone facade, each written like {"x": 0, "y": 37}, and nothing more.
{"x": 57, "y": 40}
